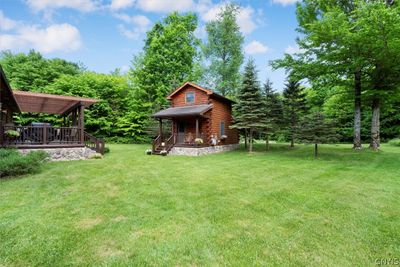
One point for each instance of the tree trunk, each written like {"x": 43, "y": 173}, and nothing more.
{"x": 375, "y": 125}
{"x": 251, "y": 140}
{"x": 245, "y": 138}
{"x": 316, "y": 150}
{"x": 292, "y": 140}
{"x": 357, "y": 111}
{"x": 267, "y": 141}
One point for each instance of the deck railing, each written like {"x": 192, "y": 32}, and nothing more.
{"x": 189, "y": 139}
{"x": 94, "y": 143}
{"x": 49, "y": 136}
{"x": 42, "y": 135}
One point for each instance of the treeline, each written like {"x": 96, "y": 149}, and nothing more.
{"x": 347, "y": 70}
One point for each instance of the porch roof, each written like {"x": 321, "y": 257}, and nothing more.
{"x": 48, "y": 103}
{"x": 196, "y": 110}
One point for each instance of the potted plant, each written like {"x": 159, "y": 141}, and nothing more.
{"x": 12, "y": 134}
{"x": 198, "y": 141}
{"x": 149, "y": 151}
{"x": 163, "y": 152}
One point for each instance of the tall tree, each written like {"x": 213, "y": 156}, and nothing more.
{"x": 272, "y": 111}
{"x": 315, "y": 129}
{"x": 168, "y": 58}
{"x": 294, "y": 107}
{"x": 330, "y": 50}
{"x": 224, "y": 50}
{"x": 248, "y": 110}
{"x": 379, "y": 31}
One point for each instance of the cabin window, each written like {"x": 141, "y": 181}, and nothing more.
{"x": 222, "y": 128}
{"x": 190, "y": 97}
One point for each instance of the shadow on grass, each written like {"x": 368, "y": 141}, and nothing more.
{"x": 331, "y": 152}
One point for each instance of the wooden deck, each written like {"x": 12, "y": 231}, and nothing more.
{"x": 35, "y": 137}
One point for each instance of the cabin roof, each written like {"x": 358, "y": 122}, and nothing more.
{"x": 196, "y": 110}
{"x": 6, "y": 93}
{"x": 49, "y": 103}
{"x": 207, "y": 91}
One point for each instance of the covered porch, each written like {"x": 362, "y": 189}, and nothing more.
{"x": 189, "y": 127}
{"x": 70, "y": 133}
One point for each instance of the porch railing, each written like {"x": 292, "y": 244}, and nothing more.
{"x": 189, "y": 139}
{"x": 94, "y": 143}
{"x": 42, "y": 135}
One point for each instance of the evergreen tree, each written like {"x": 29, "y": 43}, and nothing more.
{"x": 294, "y": 107}
{"x": 249, "y": 106}
{"x": 224, "y": 51}
{"x": 315, "y": 129}
{"x": 272, "y": 110}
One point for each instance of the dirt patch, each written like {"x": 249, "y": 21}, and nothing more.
{"x": 119, "y": 218}
{"x": 89, "y": 223}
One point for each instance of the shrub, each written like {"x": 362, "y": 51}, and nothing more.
{"x": 395, "y": 142}
{"x": 12, "y": 163}
{"x": 106, "y": 150}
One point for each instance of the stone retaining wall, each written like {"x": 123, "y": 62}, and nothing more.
{"x": 65, "y": 154}
{"x": 200, "y": 151}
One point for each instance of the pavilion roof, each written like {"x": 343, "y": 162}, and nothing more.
{"x": 49, "y": 103}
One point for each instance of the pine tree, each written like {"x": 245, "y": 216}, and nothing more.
{"x": 272, "y": 110}
{"x": 315, "y": 129}
{"x": 294, "y": 107}
{"x": 248, "y": 109}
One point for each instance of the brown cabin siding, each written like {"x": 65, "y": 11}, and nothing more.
{"x": 179, "y": 99}
{"x": 223, "y": 112}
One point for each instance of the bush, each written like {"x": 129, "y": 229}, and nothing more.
{"x": 106, "y": 150}
{"x": 13, "y": 163}
{"x": 395, "y": 142}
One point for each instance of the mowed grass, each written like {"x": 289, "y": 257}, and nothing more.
{"x": 280, "y": 207}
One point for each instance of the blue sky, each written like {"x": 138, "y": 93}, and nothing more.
{"x": 106, "y": 34}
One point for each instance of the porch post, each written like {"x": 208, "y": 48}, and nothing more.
{"x": 1, "y": 124}
{"x": 197, "y": 127}
{"x": 82, "y": 123}
{"x": 160, "y": 131}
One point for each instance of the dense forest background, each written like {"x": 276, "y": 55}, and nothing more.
{"x": 323, "y": 74}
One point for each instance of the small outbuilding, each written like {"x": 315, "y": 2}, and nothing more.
{"x": 200, "y": 121}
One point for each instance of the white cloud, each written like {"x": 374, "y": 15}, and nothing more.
{"x": 284, "y": 2}
{"x": 245, "y": 18}
{"x": 6, "y": 23}
{"x": 293, "y": 49}
{"x": 255, "y": 47}
{"x": 56, "y": 37}
{"x": 121, "y": 4}
{"x": 164, "y": 6}
{"x": 81, "y": 5}
{"x": 139, "y": 24}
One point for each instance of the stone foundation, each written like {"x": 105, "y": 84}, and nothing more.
{"x": 65, "y": 154}
{"x": 201, "y": 151}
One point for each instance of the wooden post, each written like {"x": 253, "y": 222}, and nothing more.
{"x": 82, "y": 123}
{"x": 1, "y": 123}
{"x": 160, "y": 131}
{"x": 44, "y": 141}
{"x": 197, "y": 127}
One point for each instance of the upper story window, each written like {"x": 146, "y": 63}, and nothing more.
{"x": 190, "y": 97}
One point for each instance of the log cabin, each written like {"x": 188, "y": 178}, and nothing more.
{"x": 41, "y": 135}
{"x": 199, "y": 118}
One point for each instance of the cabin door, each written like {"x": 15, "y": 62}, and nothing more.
{"x": 181, "y": 132}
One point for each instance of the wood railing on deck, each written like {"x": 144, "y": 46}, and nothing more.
{"x": 42, "y": 135}
{"x": 94, "y": 143}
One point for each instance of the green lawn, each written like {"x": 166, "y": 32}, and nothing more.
{"x": 276, "y": 208}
